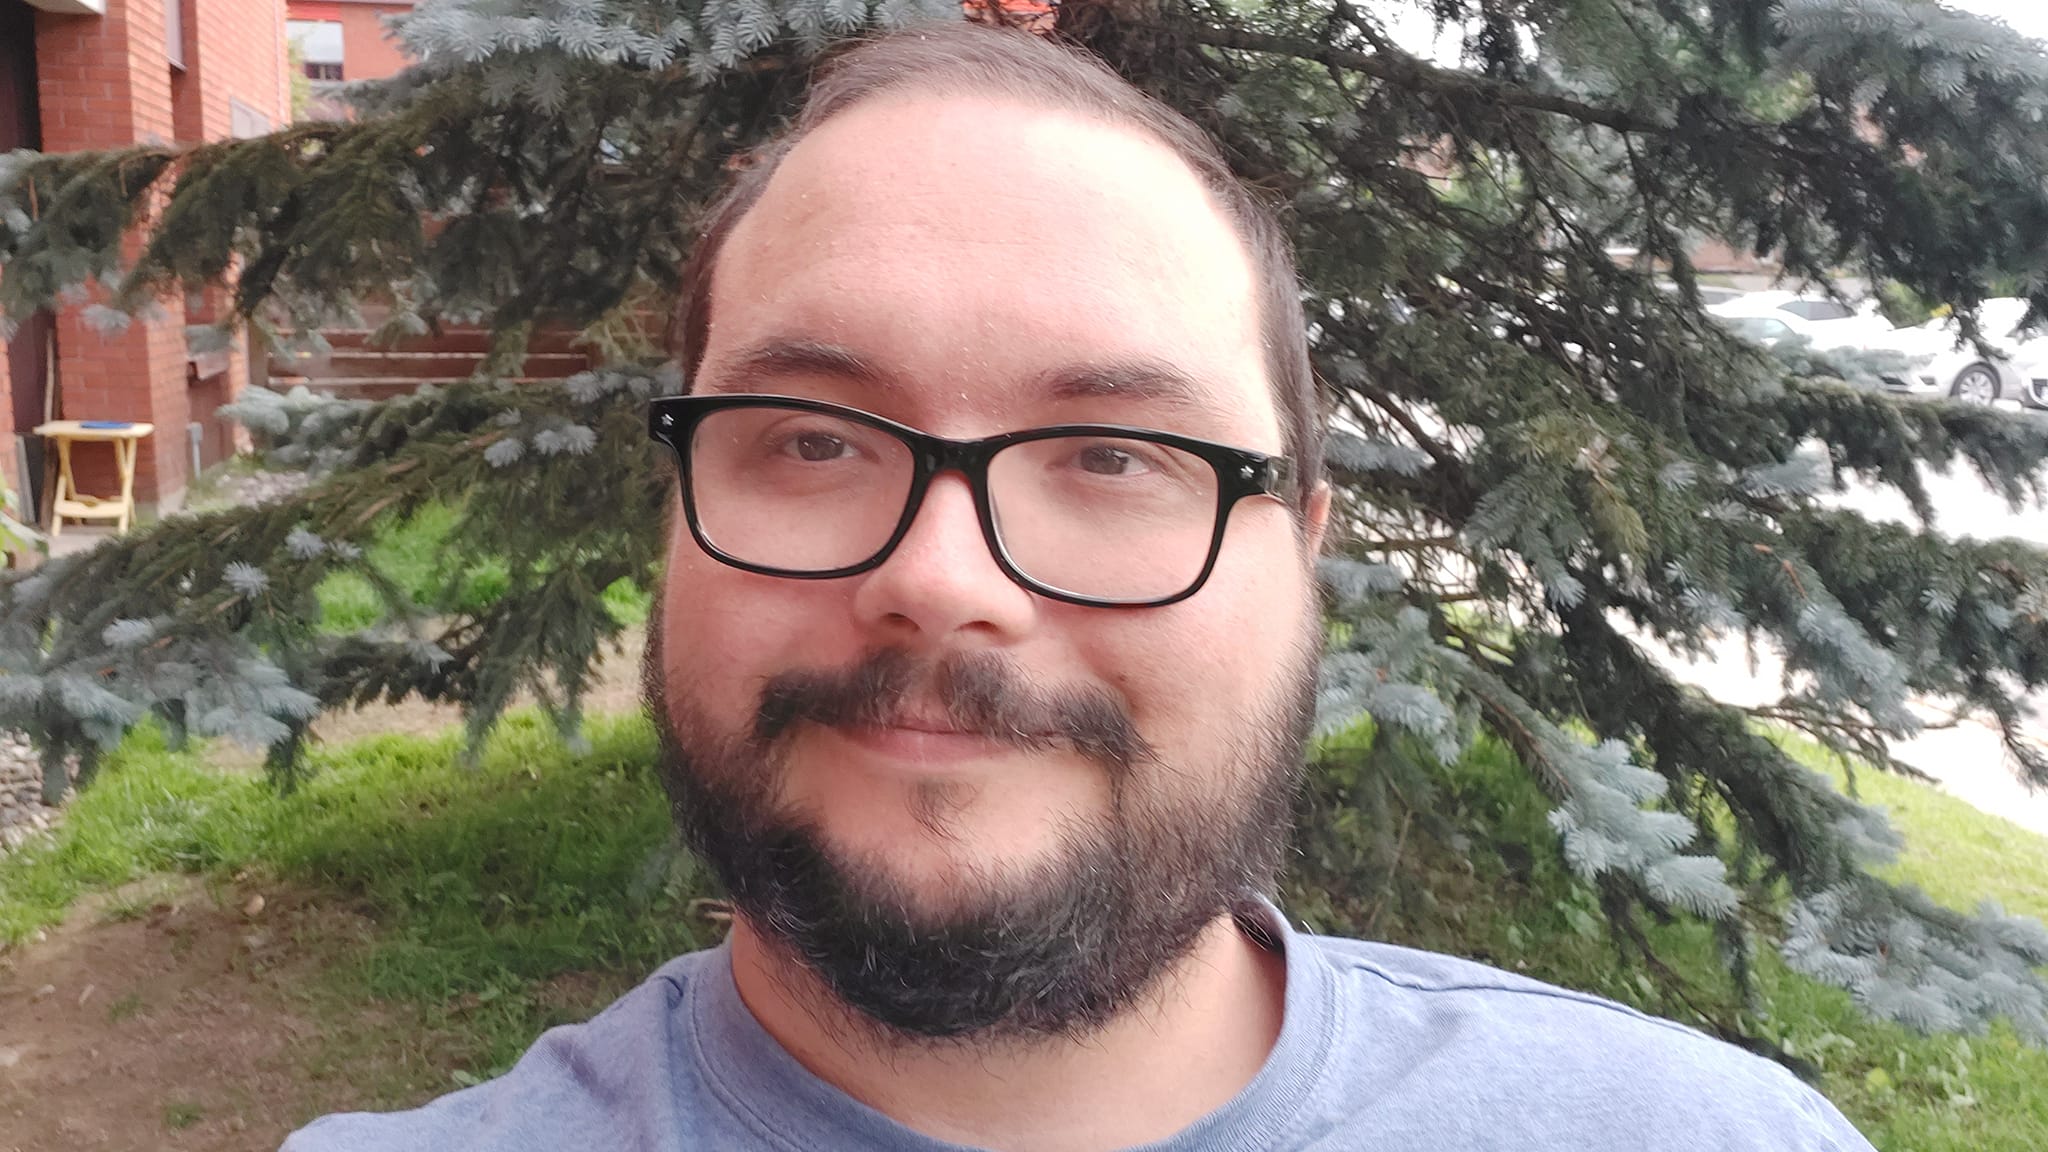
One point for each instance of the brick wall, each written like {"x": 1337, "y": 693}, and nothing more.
{"x": 106, "y": 82}
{"x": 239, "y": 58}
{"x": 1721, "y": 256}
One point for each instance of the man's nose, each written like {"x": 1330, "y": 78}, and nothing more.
{"x": 942, "y": 581}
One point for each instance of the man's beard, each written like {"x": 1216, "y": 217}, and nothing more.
{"x": 1058, "y": 948}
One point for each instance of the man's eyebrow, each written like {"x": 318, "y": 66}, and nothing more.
{"x": 774, "y": 360}
{"x": 1138, "y": 379}
{"x": 1150, "y": 380}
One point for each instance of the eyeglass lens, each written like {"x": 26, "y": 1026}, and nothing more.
{"x": 1103, "y": 517}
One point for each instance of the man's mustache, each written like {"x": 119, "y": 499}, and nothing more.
{"x": 982, "y": 694}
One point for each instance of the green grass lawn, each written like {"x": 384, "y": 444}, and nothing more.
{"x": 487, "y": 891}
{"x": 1957, "y": 854}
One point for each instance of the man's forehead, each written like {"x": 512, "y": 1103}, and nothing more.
{"x": 916, "y": 141}
{"x": 982, "y": 215}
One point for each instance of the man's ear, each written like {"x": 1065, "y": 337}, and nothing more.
{"x": 1315, "y": 520}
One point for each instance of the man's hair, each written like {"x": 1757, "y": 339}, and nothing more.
{"x": 961, "y": 59}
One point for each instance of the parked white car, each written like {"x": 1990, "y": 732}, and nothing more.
{"x": 2017, "y": 368}
{"x": 1769, "y": 318}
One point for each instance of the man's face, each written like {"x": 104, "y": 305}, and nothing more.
{"x": 964, "y": 252}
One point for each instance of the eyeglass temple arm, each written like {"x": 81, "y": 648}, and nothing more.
{"x": 1276, "y": 477}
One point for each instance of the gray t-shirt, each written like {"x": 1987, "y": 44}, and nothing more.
{"x": 1384, "y": 1049}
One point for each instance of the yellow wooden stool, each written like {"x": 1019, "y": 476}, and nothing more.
{"x": 126, "y": 438}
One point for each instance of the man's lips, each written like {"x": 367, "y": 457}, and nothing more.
{"x": 923, "y": 739}
{"x": 923, "y": 723}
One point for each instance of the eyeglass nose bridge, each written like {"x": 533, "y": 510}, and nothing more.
{"x": 935, "y": 456}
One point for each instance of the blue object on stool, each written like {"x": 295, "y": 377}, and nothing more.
{"x": 106, "y": 424}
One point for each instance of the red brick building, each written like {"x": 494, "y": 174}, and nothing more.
{"x": 91, "y": 74}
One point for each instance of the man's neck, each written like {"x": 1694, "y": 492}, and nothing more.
{"x": 1198, "y": 1040}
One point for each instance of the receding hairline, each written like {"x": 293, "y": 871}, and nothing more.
{"x": 953, "y": 61}
{"x": 1077, "y": 115}
{"x": 966, "y": 56}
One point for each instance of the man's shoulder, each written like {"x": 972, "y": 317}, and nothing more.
{"x": 1414, "y": 970}
{"x": 1468, "y": 986}
{"x": 1549, "y": 1055}
{"x": 571, "y": 1087}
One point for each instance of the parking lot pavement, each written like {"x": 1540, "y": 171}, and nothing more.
{"x": 1969, "y": 760}
{"x": 1963, "y": 507}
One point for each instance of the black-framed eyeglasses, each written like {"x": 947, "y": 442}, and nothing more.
{"x": 1096, "y": 514}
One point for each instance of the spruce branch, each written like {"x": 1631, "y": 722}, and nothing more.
{"x": 1398, "y": 67}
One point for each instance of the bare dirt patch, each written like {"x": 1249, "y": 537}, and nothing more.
{"x": 167, "y": 1017}
{"x": 614, "y": 687}
{"x": 172, "y": 1014}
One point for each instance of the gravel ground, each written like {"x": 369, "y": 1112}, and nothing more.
{"x": 22, "y": 813}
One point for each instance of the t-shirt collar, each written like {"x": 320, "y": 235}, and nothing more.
{"x": 768, "y": 1091}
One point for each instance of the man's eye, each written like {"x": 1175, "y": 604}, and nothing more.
{"x": 817, "y": 447}
{"x": 1103, "y": 460}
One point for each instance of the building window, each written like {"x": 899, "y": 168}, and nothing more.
{"x": 319, "y": 44}
{"x": 174, "y": 33}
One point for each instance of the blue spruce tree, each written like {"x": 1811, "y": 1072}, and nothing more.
{"x": 1542, "y": 457}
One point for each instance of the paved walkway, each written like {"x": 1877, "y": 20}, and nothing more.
{"x": 79, "y": 538}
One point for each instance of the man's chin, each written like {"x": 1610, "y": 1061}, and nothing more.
{"x": 933, "y": 879}
{"x": 927, "y": 942}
